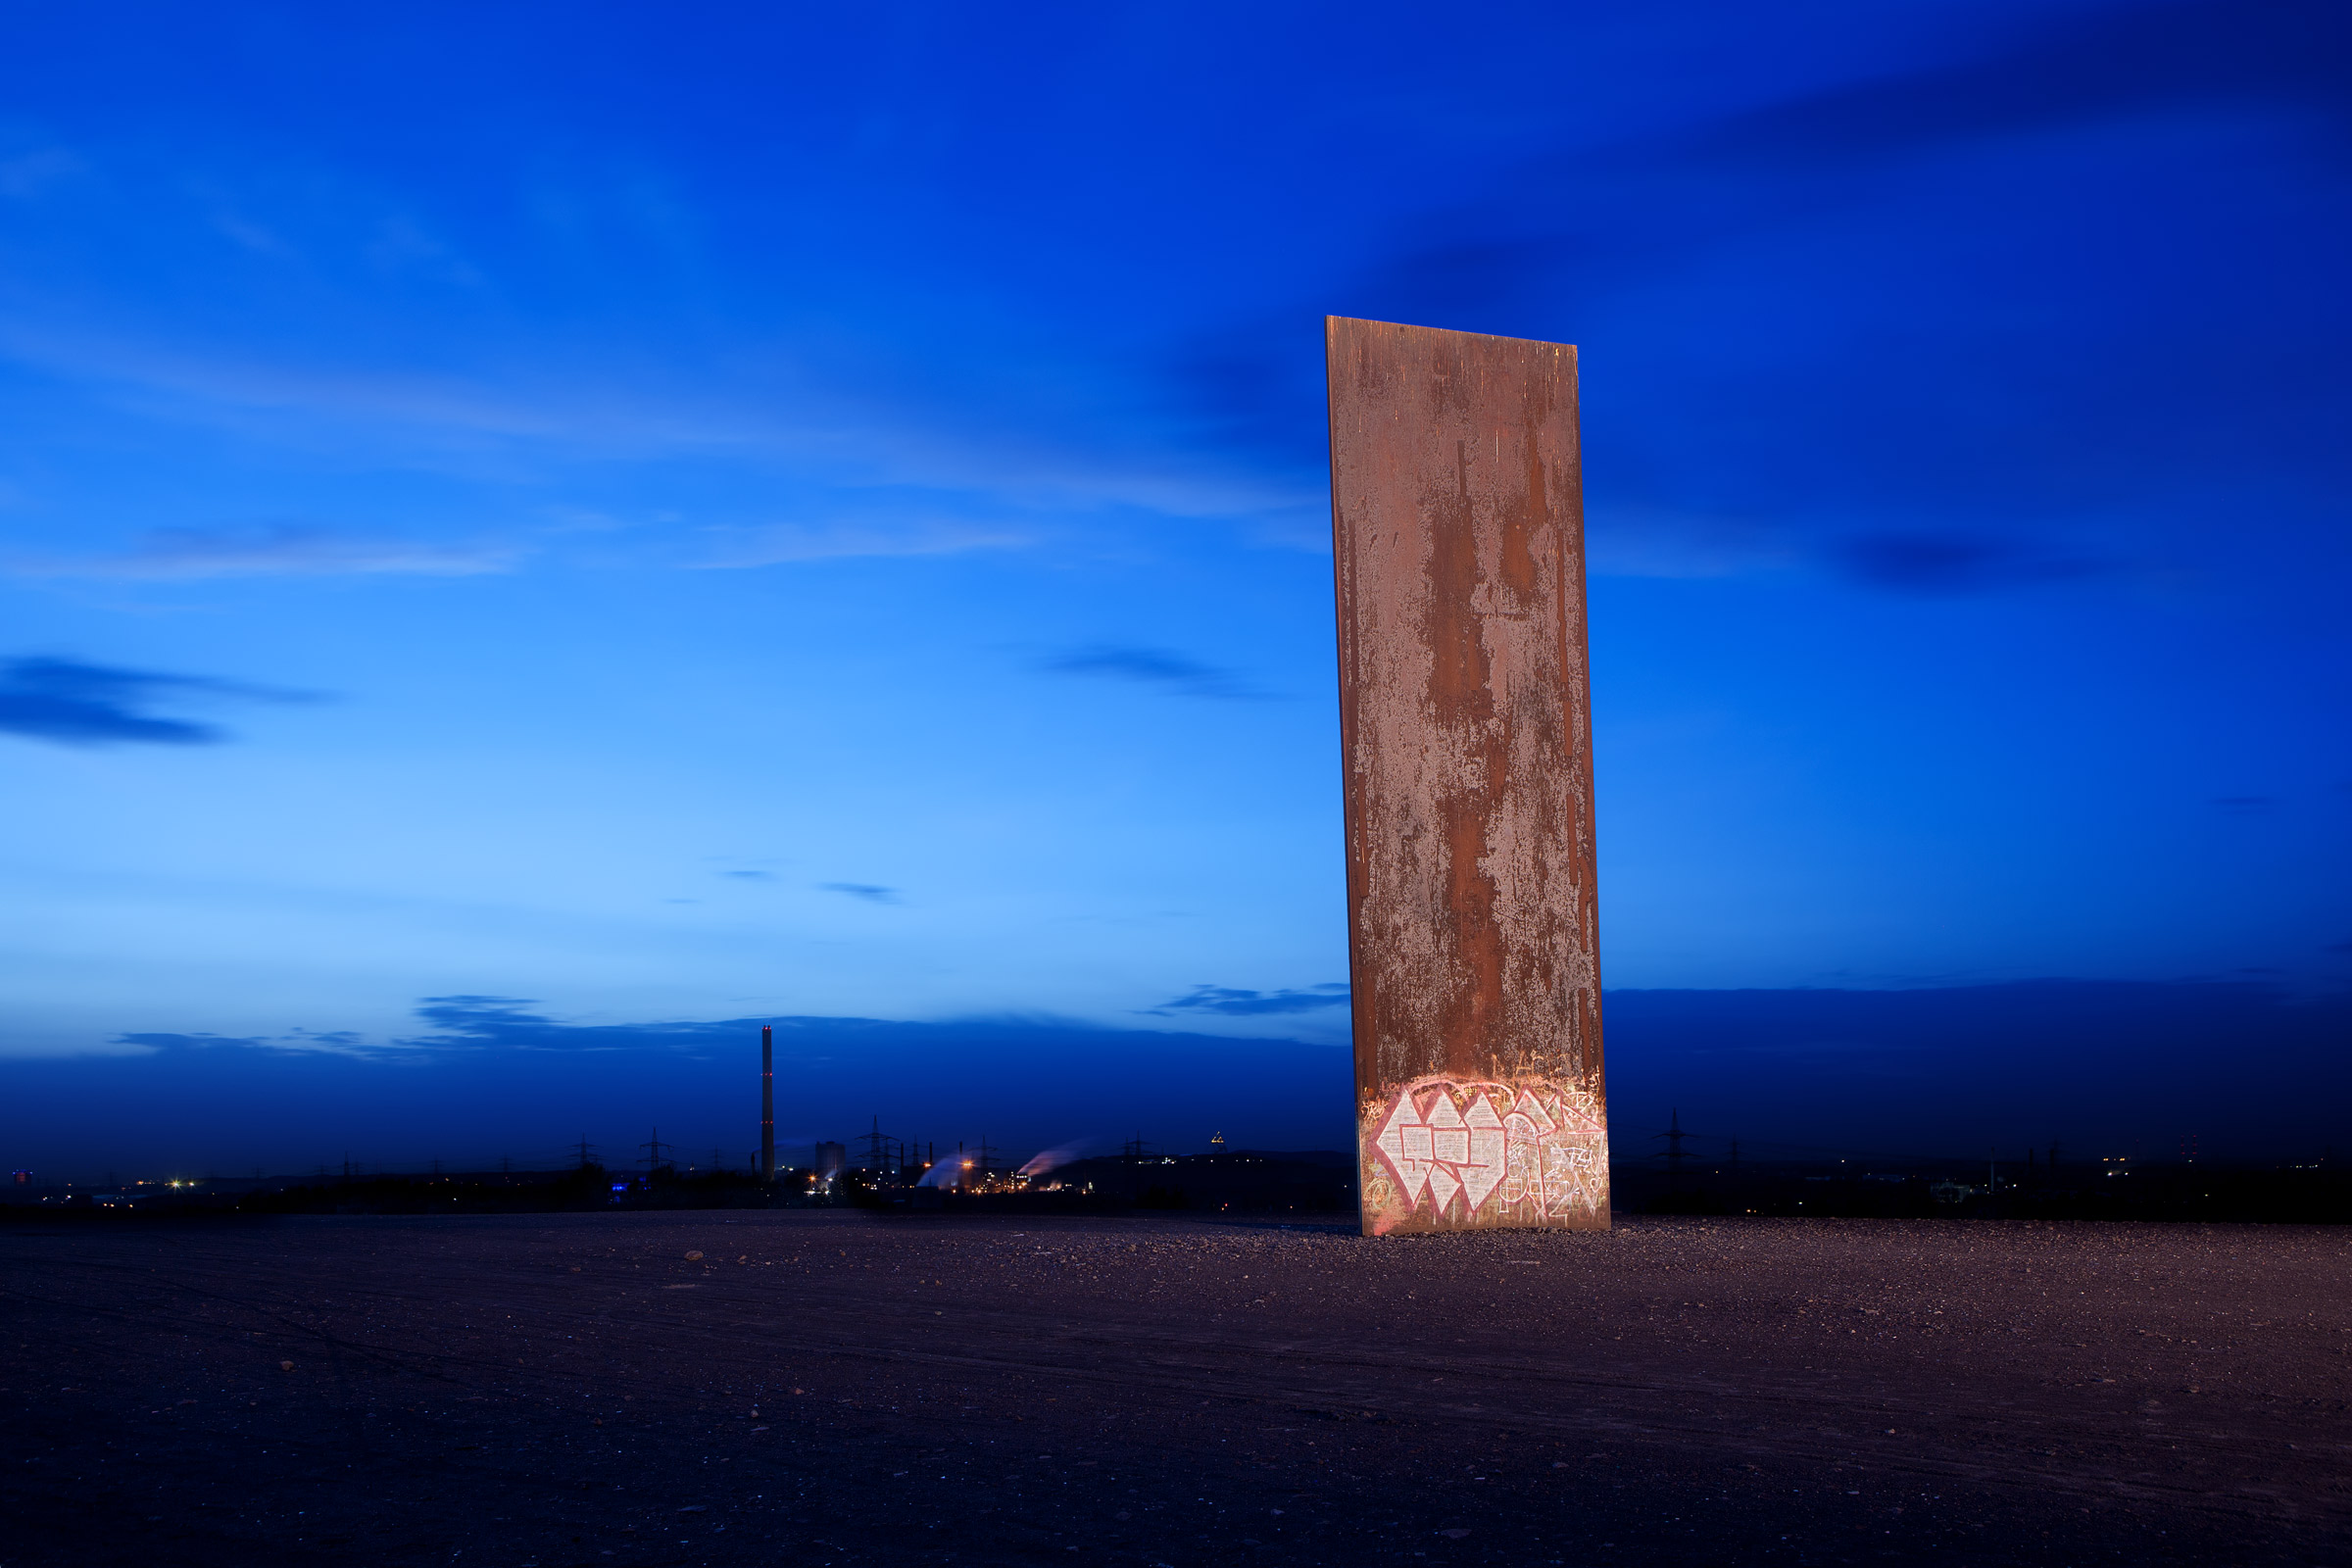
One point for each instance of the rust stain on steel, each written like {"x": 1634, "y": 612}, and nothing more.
{"x": 1457, "y": 523}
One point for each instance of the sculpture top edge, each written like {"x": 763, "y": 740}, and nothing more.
{"x": 1333, "y": 322}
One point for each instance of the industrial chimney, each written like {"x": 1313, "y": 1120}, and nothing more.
{"x": 768, "y": 1103}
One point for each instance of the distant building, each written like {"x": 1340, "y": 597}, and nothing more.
{"x": 830, "y": 1159}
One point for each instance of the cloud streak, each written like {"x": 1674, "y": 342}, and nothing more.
{"x": 1953, "y": 562}
{"x": 870, "y": 892}
{"x": 786, "y": 544}
{"x": 71, "y": 704}
{"x": 1237, "y": 1003}
{"x": 832, "y": 425}
{"x": 332, "y": 1043}
{"x": 186, "y": 555}
{"x": 1151, "y": 666}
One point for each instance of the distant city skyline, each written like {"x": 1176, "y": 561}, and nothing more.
{"x": 2115, "y": 1068}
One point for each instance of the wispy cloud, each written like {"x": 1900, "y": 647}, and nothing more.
{"x": 870, "y": 892}
{"x": 332, "y": 1043}
{"x": 1151, "y": 666}
{"x": 1952, "y": 562}
{"x": 468, "y": 1025}
{"x": 459, "y": 1023}
{"x": 982, "y": 447}
{"x": 169, "y": 555}
{"x": 72, "y": 704}
{"x": 159, "y": 1041}
{"x": 483, "y": 1018}
{"x": 1243, "y": 1004}
{"x": 781, "y": 544}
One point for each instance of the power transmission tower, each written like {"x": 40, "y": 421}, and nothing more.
{"x": 587, "y": 1161}
{"x": 1674, "y": 1154}
{"x": 653, "y": 1147}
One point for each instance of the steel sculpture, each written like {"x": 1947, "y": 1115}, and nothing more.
{"x": 1458, "y": 523}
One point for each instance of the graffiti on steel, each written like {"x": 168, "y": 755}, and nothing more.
{"x": 1443, "y": 1154}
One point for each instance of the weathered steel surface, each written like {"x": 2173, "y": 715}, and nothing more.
{"x": 1458, "y": 534}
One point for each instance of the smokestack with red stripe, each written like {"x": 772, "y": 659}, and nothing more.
{"x": 768, "y": 1103}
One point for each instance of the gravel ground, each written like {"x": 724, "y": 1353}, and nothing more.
{"x": 830, "y": 1387}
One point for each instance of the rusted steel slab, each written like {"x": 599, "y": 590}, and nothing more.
{"x": 1457, "y": 523}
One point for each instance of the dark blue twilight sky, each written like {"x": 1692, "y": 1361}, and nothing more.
{"x": 670, "y": 516}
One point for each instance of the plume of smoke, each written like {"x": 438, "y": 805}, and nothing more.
{"x": 948, "y": 1171}
{"x": 1041, "y": 1163}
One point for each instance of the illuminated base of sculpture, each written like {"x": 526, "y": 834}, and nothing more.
{"x": 1441, "y": 1154}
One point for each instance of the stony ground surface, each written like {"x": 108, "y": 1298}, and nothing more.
{"x": 830, "y": 1387}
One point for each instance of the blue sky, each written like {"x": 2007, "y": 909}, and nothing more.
{"x": 711, "y": 513}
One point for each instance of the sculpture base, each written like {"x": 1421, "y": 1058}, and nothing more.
{"x": 1445, "y": 1153}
